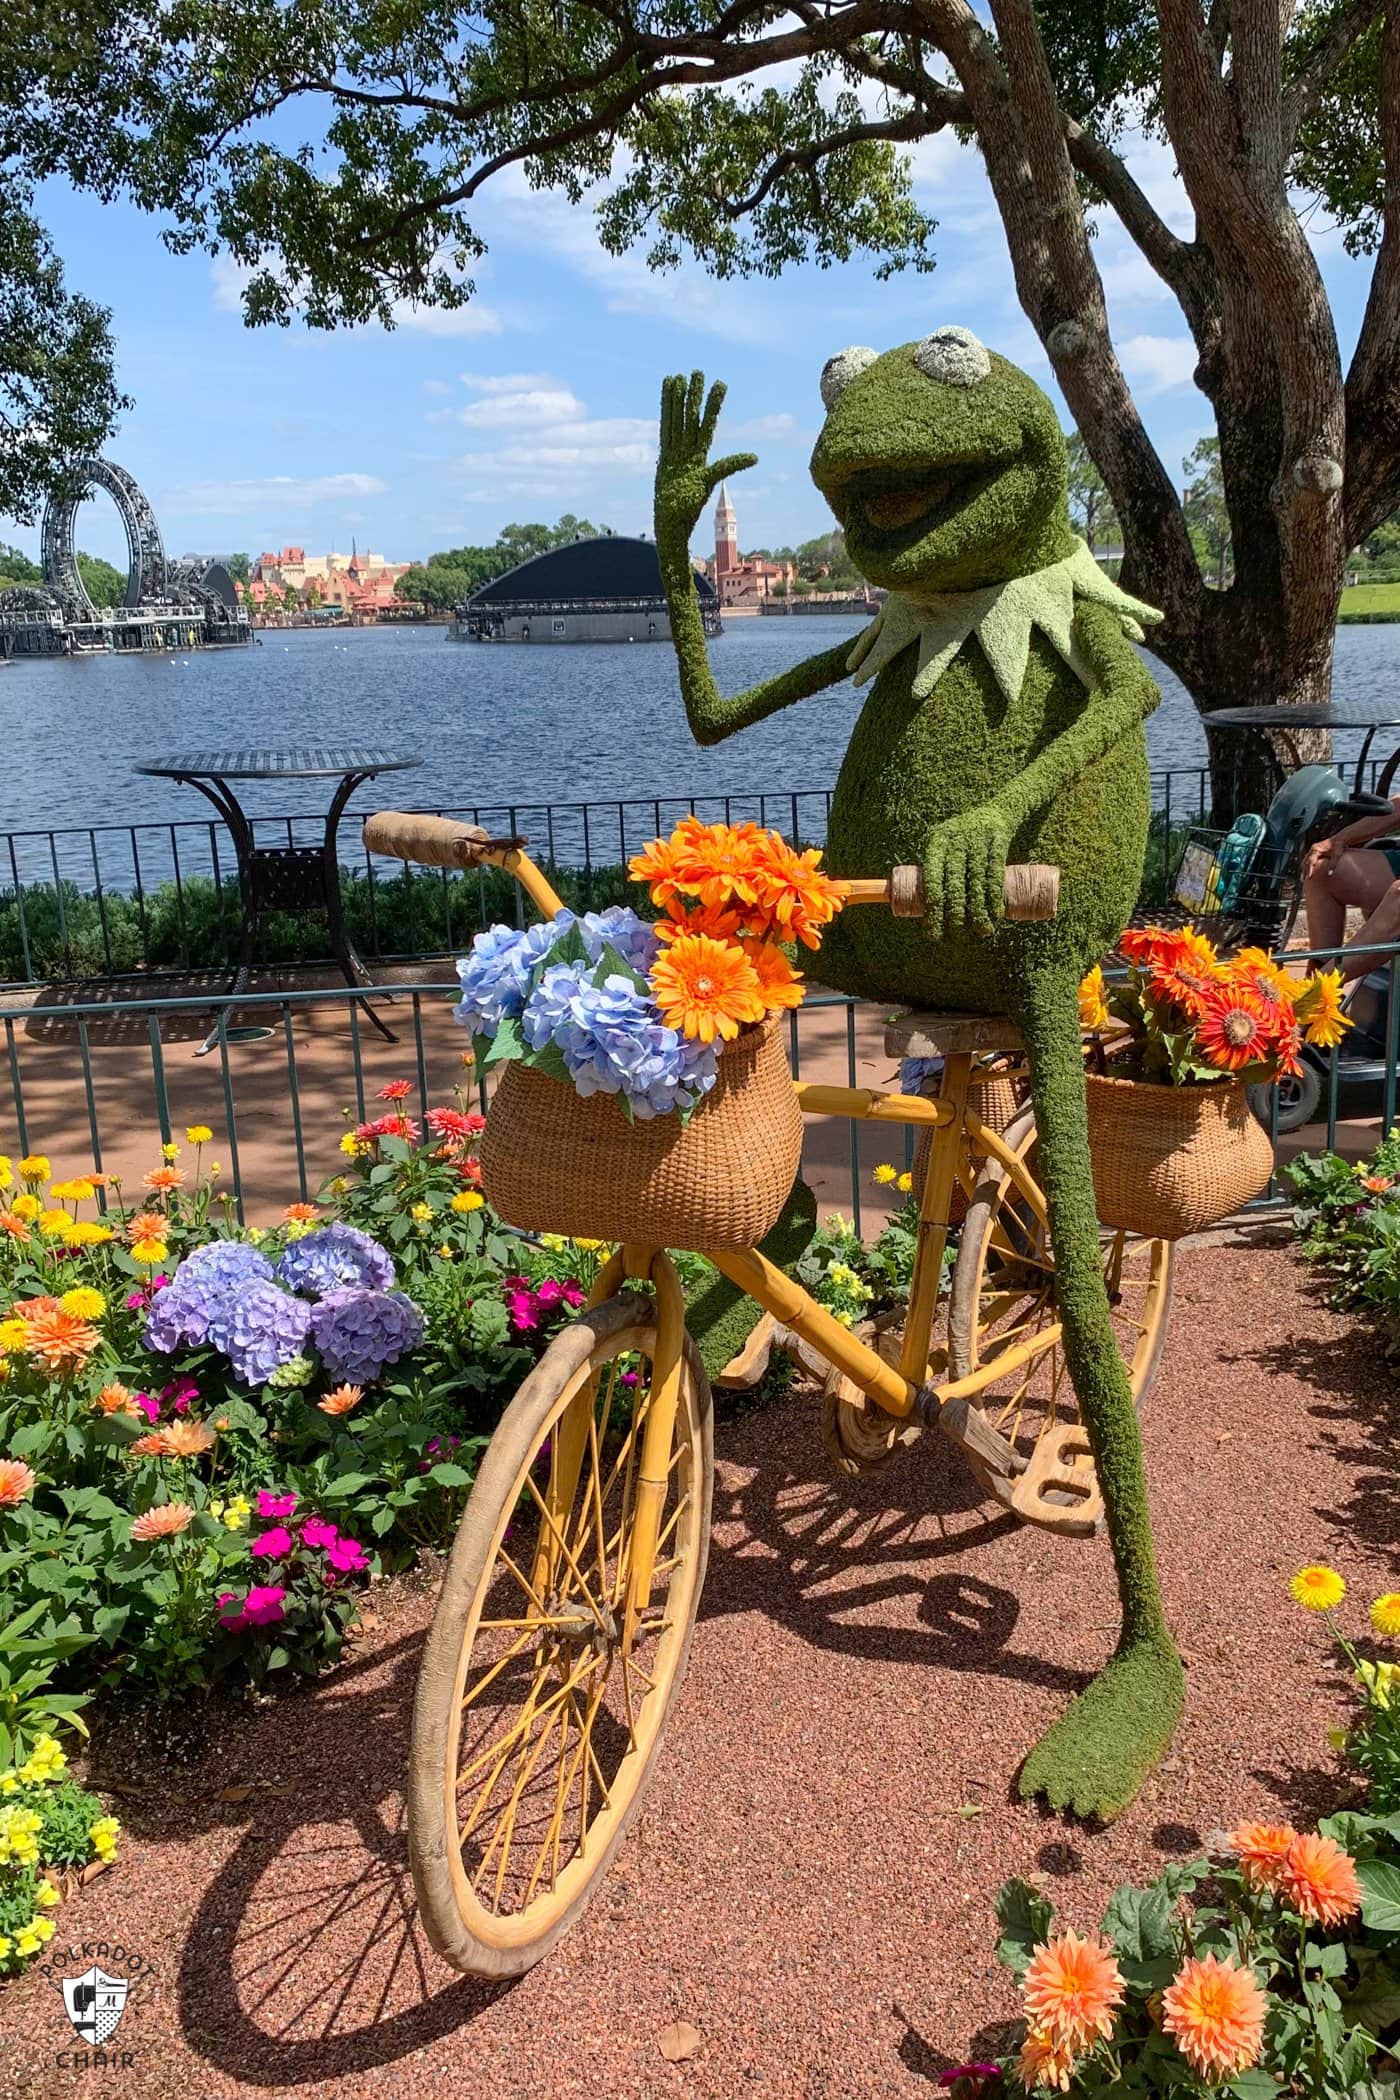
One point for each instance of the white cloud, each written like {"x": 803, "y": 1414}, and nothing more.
{"x": 531, "y": 409}
{"x": 504, "y": 382}
{"x": 761, "y": 430}
{"x": 1159, "y": 362}
{"x": 280, "y": 492}
{"x": 436, "y": 386}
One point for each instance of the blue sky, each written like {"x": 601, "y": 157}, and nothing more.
{"x": 541, "y": 397}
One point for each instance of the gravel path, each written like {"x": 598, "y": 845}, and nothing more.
{"x": 808, "y": 1884}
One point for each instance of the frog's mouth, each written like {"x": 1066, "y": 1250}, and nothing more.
{"x": 898, "y": 507}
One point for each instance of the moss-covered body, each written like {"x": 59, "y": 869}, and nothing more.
{"x": 1004, "y": 724}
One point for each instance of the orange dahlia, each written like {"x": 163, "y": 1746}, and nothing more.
{"x": 183, "y": 1438}
{"x": 162, "y": 1181}
{"x": 166, "y": 1522}
{"x": 1072, "y": 1989}
{"x": 1319, "y": 1880}
{"x": 14, "y": 1226}
{"x": 1044, "y": 2062}
{"x": 778, "y": 982}
{"x": 147, "y": 1225}
{"x": 341, "y": 1400}
{"x": 301, "y": 1213}
{"x": 16, "y": 1481}
{"x": 1214, "y": 2012}
{"x": 1261, "y": 1849}
{"x": 706, "y": 988}
{"x": 116, "y": 1399}
{"x": 59, "y": 1339}
{"x": 1234, "y": 1029}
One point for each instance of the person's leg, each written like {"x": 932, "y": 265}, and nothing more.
{"x": 1359, "y": 878}
{"x": 1382, "y": 927}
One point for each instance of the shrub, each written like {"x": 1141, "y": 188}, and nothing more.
{"x": 1348, "y": 1220}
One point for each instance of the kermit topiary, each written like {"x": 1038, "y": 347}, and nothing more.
{"x": 1005, "y": 722}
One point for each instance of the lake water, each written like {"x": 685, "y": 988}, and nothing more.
{"x": 496, "y": 727}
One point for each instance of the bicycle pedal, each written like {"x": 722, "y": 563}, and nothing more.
{"x": 1059, "y": 1490}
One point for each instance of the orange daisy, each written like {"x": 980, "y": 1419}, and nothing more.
{"x": 301, "y": 1213}
{"x": 147, "y": 1225}
{"x": 778, "y": 982}
{"x": 1319, "y": 1880}
{"x": 1261, "y": 1849}
{"x": 341, "y": 1400}
{"x": 116, "y": 1399}
{"x": 163, "y": 1180}
{"x": 1255, "y": 970}
{"x": 797, "y": 891}
{"x": 1144, "y": 944}
{"x": 166, "y": 1522}
{"x": 716, "y": 861}
{"x": 58, "y": 1338}
{"x": 1234, "y": 1029}
{"x": 1214, "y": 2012}
{"x": 1044, "y": 2062}
{"x": 152, "y": 1445}
{"x": 697, "y": 918}
{"x": 660, "y": 866}
{"x": 1072, "y": 1989}
{"x": 15, "y": 1227}
{"x": 16, "y": 1481}
{"x": 706, "y": 988}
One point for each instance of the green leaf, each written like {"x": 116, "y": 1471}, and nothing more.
{"x": 449, "y": 1476}
{"x": 347, "y": 1484}
{"x": 382, "y": 1521}
{"x": 1380, "y": 1899}
{"x": 109, "y": 1621}
{"x": 1375, "y": 2003}
{"x": 507, "y": 1042}
{"x": 1254, "y": 2085}
{"x": 1024, "y": 1916}
{"x": 278, "y": 1658}
{"x": 611, "y": 964}
{"x": 1139, "y": 1922}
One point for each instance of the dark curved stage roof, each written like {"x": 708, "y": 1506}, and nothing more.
{"x": 607, "y": 567}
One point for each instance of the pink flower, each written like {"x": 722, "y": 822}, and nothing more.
{"x": 573, "y": 1294}
{"x": 232, "y": 1621}
{"x": 273, "y": 1545}
{"x": 150, "y": 1408}
{"x": 263, "y": 1607}
{"x": 523, "y": 1307}
{"x": 550, "y": 1293}
{"x": 270, "y": 1505}
{"x": 317, "y": 1532}
{"x": 179, "y": 1393}
{"x": 347, "y": 1555}
{"x": 396, "y": 1090}
{"x": 135, "y": 1301}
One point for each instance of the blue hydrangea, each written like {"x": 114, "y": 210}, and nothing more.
{"x": 634, "y": 940}
{"x": 201, "y": 1286}
{"x": 360, "y": 1333}
{"x": 332, "y": 1257}
{"x": 259, "y": 1328}
{"x": 612, "y": 1042}
{"x": 495, "y": 975}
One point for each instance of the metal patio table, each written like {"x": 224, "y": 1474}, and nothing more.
{"x": 300, "y": 879}
{"x": 1282, "y": 720}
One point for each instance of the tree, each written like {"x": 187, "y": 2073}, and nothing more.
{"x": 436, "y": 586}
{"x": 238, "y": 565}
{"x": 103, "y": 584}
{"x": 824, "y": 560}
{"x": 1090, "y": 505}
{"x": 340, "y": 161}
{"x": 1207, "y": 513}
{"x": 17, "y": 568}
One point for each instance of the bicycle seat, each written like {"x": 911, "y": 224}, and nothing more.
{"x": 949, "y": 1034}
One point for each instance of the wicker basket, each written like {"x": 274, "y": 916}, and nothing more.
{"x": 1169, "y": 1160}
{"x": 552, "y": 1161}
{"x": 994, "y": 1095}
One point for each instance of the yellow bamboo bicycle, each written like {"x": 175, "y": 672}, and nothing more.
{"x": 567, "y": 1609}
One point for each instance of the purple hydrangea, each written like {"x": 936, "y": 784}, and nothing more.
{"x": 613, "y": 1042}
{"x": 259, "y": 1328}
{"x": 359, "y": 1333}
{"x": 183, "y": 1312}
{"x": 333, "y": 1258}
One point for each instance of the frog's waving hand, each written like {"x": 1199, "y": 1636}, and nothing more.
{"x": 1004, "y": 722}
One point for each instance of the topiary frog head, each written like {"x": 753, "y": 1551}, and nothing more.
{"x": 944, "y": 464}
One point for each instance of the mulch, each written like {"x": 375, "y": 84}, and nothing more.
{"x": 810, "y": 1883}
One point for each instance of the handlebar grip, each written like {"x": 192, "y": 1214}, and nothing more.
{"x": 1032, "y": 891}
{"x": 438, "y": 842}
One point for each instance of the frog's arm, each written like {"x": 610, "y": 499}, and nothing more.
{"x": 686, "y": 478}
{"x": 1123, "y": 697}
{"x": 965, "y": 863}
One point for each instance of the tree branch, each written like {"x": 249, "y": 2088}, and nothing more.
{"x": 1309, "y": 84}
{"x": 810, "y": 157}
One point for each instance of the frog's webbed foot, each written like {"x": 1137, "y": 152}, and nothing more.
{"x": 1094, "y": 1759}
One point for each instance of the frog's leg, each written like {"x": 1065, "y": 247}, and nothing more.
{"x": 1097, "y": 1755}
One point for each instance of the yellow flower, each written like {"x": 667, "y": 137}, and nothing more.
{"x": 214, "y": 1170}
{"x": 1385, "y": 1615}
{"x": 72, "y": 1191}
{"x": 1379, "y": 1681}
{"x": 46, "y": 1760}
{"x": 421, "y": 1211}
{"x": 26, "y": 1206}
{"x": 1093, "y": 1008}
{"x": 446, "y": 1253}
{"x": 34, "y": 1170}
{"x": 255, "y": 1235}
{"x": 19, "y": 1836}
{"x": 884, "y": 1173}
{"x": 552, "y": 1240}
{"x": 84, "y": 1303}
{"x": 46, "y": 1895}
{"x": 14, "y": 1334}
{"x": 236, "y": 1513}
{"x": 472, "y": 1199}
{"x": 7, "y": 1947}
{"x": 905, "y": 1184}
{"x": 170, "y": 1153}
{"x": 7, "y": 1172}
{"x": 590, "y": 1246}
{"x": 104, "y": 1834}
{"x": 1318, "y": 1588}
{"x": 199, "y": 1133}
{"x": 86, "y": 1232}
{"x": 339, "y": 1185}
{"x": 150, "y": 1252}
{"x": 353, "y": 1146}
{"x": 54, "y": 1224}
{"x": 1318, "y": 1008}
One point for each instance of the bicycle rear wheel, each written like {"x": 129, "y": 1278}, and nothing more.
{"x": 536, "y": 1726}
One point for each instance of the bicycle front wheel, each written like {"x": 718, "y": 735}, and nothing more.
{"x": 537, "y": 1723}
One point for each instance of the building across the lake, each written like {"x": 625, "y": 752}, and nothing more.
{"x": 606, "y": 589}
{"x": 739, "y": 581}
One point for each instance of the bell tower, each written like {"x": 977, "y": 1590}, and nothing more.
{"x": 726, "y": 534}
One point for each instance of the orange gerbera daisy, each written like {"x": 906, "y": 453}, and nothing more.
{"x": 147, "y": 1225}
{"x": 1255, "y": 970}
{"x": 1044, "y": 2062}
{"x": 1072, "y": 1989}
{"x": 15, "y": 1227}
{"x": 183, "y": 1438}
{"x": 716, "y": 861}
{"x": 793, "y": 886}
{"x": 165, "y": 1522}
{"x": 16, "y": 1481}
{"x": 59, "y": 1339}
{"x": 1261, "y": 1849}
{"x": 301, "y": 1213}
{"x": 163, "y": 1180}
{"x": 660, "y": 865}
{"x": 116, "y": 1399}
{"x": 706, "y": 988}
{"x": 341, "y": 1400}
{"x": 1214, "y": 2012}
{"x": 778, "y": 982}
{"x": 1234, "y": 1029}
{"x": 697, "y": 918}
{"x": 1319, "y": 1880}
{"x": 1143, "y": 944}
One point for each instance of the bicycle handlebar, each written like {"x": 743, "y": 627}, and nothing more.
{"x": 1032, "y": 889}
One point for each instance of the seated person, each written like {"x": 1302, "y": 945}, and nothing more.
{"x": 1340, "y": 872}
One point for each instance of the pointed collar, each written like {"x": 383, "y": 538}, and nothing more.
{"x": 1001, "y": 617}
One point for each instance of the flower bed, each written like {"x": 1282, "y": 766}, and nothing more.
{"x": 1348, "y": 1221}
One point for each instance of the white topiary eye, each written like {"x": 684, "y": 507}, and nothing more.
{"x": 839, "y": 371}
{"x": 953, "y": 355}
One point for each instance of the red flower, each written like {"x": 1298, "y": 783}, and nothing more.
{"x": 399, "y": 1126}
{"x": 396, "y": 1090}
{"x": 452, "y": 1123}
